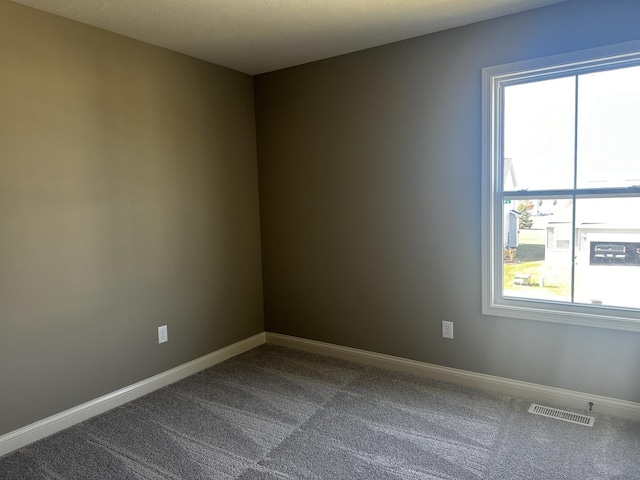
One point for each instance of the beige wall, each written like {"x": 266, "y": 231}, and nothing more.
{"x": 128, "y": 200}
{"x": 369, "y": 168}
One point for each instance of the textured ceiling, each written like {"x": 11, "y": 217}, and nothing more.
{"x": 257, "y": 36}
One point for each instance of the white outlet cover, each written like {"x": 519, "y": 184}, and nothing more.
{"x": 447, "y": 330}
{"x": 163, "y": 334}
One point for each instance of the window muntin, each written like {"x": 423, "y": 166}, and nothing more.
{"x": 562, "y": 147}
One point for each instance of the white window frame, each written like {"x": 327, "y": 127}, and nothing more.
{"x": 494, "y": 79}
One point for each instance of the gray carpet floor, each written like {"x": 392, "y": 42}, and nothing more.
{"x": 275, "y": 413}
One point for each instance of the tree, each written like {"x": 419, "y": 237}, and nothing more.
{"x": 525, "y": 222}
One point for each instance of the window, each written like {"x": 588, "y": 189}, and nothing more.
{"x": 561, "y": 188}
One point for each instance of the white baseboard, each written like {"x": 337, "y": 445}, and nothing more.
{"x": 43, "y": 428}
{"x": 540, "y": 393}
{"x": 579, "y": 400}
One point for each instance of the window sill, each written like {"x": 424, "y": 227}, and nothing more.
{"x": 581, "y": 315}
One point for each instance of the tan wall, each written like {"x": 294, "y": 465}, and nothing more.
{"x": 370, "y": 202}
{"x": 128, "y": 200}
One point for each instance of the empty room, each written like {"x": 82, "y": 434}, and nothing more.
{"x": 322, "y": 239}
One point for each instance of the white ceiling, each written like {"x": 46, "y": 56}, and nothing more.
{"x": 257, "y": 36}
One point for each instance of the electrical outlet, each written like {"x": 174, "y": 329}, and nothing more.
{"x": 447, "y": 330}
{"x": 163, "y": 334}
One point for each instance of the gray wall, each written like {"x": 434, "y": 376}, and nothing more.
{"x": 128, "y": 200}
{"x": 369, "y": 169}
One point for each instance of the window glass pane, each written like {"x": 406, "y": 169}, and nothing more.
{"x": 609, "y": 128}
{"x": 537, "y": 249}
{"x": 539, "y": 126}
{"x": 608, "y": 251}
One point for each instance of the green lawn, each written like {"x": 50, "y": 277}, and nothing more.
{"x": 530, "y": 258}
{"x": 512, "y": 269}
{"x": 534, "y": 289}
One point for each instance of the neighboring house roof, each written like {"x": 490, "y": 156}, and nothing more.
{"x": 509, "y": 172}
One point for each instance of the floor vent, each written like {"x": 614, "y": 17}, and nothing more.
{"x": 561, "y": 415}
